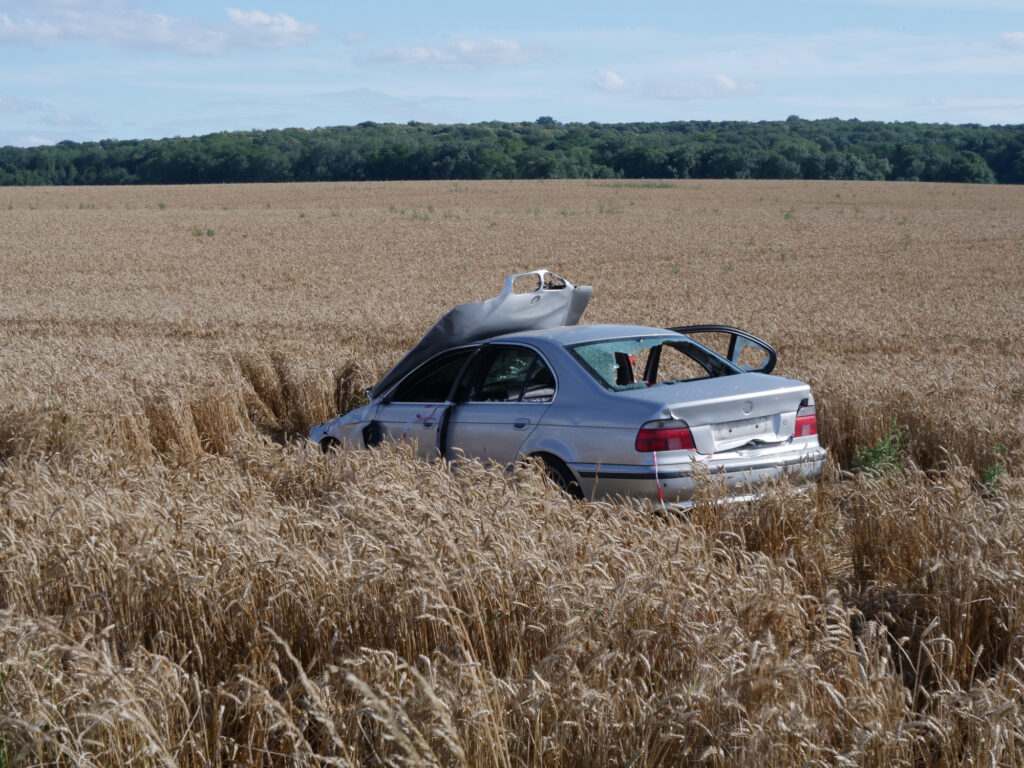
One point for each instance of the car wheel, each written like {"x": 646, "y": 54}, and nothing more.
{"x": 561, "y": 476}
{"x": 329, "y": 444}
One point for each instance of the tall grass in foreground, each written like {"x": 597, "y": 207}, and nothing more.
{"x": 221, "y": 599}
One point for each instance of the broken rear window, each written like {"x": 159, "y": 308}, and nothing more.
{"x": 641, "y": 362}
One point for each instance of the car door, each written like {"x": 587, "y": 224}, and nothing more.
{"x": 741, "y": 348}
{"x": 414, "y": 411}
{"x": 499, "y": 402}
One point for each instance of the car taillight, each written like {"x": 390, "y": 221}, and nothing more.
{"x": 665, "y": 435}
{"x": 806, "y": 422}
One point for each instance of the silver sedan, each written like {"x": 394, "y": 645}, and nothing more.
{"x": 609, "y": 409}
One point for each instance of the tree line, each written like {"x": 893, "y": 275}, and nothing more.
{"x": 790, "y": 149}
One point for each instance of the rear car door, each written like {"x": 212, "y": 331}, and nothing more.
{"x": 499, "y": 402}
{"x": 741, "y": 348}
{"x": 415, "y": 409}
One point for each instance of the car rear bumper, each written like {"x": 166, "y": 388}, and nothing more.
{"x": 677, "y": 481}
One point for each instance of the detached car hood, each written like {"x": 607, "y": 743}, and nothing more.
{"x": 554, "y": 302}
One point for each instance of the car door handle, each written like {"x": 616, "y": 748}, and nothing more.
{"x": 521, "y": 423}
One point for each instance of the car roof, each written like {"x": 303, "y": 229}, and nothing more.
{"x": 582, "y": 334}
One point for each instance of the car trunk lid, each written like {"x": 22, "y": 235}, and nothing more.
{"x": 742, "y": 412}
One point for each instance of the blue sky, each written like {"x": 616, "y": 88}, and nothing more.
{"x": 93, "y": 69}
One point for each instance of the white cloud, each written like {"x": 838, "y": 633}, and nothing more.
{"x": 606, "y": 80}
{"x": 695, "y": 88}
{"x": 1013, "y": 39}
{"x": 123, "y": 24}
{"x": 257, "y": 29}
{"x": 680, "y": 87}
{"x": 27, "y": 31}
{"x": 35, "y": 141}
{"x": 724, "y": 83}
{"x": 463, "y": 54}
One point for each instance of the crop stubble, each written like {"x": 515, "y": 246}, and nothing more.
{"x": 176, "y": 586}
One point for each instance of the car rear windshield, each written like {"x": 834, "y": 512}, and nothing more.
{"x": 647, "y": 361}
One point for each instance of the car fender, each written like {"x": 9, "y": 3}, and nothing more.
{"x": 541, "y": 441}
{"x": 347, "y": 429}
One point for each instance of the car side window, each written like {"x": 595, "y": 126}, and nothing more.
{"x": 469, "y": 383}
{"x": 540, "y": 384}
{"x": 514, "y": 374}
{"x": 431, "y": 382}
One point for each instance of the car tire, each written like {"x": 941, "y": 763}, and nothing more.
{"x": 561, "y": 475}
{"x": 329, "y": 444}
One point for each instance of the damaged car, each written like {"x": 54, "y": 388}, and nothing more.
{"x": 608, "y": 409}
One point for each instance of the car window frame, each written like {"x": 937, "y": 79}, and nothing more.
{"x": 539, "y": 359}
{"x": 735, "y": 348}
{"x": 653, "y": 360}
{"x": 474, "y": 350}
{"x": 492, "y": 349}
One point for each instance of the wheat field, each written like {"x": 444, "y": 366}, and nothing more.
{"x": 184, "y": 581}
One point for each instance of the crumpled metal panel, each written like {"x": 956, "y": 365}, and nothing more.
{"x": 555, "y": 302}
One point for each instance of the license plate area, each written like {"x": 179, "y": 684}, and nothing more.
{"x": 729, "y": 431}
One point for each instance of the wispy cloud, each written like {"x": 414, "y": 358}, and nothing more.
{"x": 764, "y": 57}
{"x": 696, "y": 88}
{"x": 463, "y": 54}
{"x": 927, "y": 108}
{"x": 28, "y": 31}
{"x": 57, "y": 119}
{"x": 123, "y": 24}
{"x": 678, "y": 88}
{"x": 46, "y": 114}
{"x": 15, "y": 104}
{"x": 1014, "y": 40}
{"x": 606, "y": 80}
{"x": 256, "y": 29}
